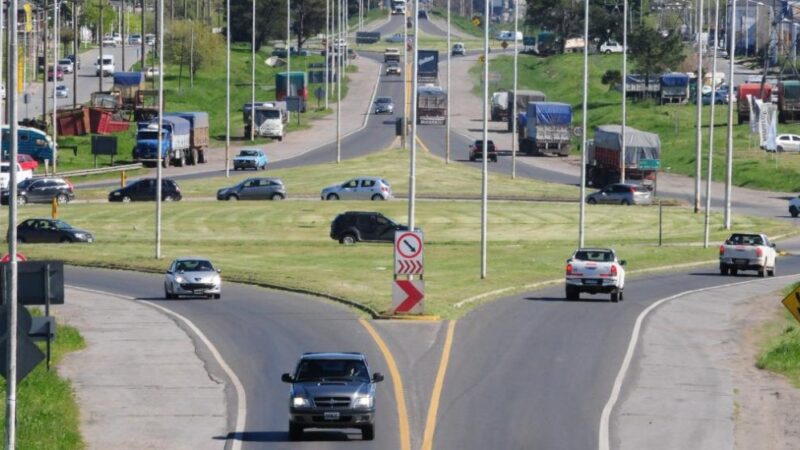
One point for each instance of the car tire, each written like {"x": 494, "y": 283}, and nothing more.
{"x": 368, "y": 432}
{"x": 377, "y": 197}
{"x": 217, "y": 296}
{"x": 164, "y": 163}
{"x": 625, "y": 202}
{"x": 348, "y": 239}
{"x": 780, "y": 149}
{"x": 62, "y": 199}
{"x": 65, "y": 240}
{"x": 771, "y": 271}
{"x": 21, "y": 200}
{"x": 608, "y": 52}
{"x": 126, "y": 199}
{"x": 734, "y": 271}
{"x": 793, "y": 211}
{"x": 167, "y": 295}
{"x": 168, "y": 198}
{"x": 332, "y": 197}
{"x": 232, "y": 198}
{"x": 615, "y": 296}
{"x": 572, "y": 293}
{"x": 591, "y": 201}
{"x": 622, "y": 294}
{"x": 295, "y": 432}
{"x": 723, "y": 270}
{"x": 762, "y": 272}
{"x": 20, "y": 240}
{"x": 277, "y": 197}
{"x": 472, "y": 159}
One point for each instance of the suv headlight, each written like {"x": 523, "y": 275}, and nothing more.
{"x": 300, "y": 402}
{"x": 179, "y": 279}
{"x": 365, "y": 401}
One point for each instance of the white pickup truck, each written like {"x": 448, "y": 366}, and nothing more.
{"x": 5, "y": 174}
{"x": 744, "y": 251}
{"x": 596, "y": 271}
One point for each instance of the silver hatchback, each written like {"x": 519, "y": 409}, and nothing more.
{"x": 361, "y": 188}
{"x": 621, "y": 194}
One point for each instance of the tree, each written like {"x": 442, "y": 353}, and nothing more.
{"x": 563, "y": 17}
{"x": 653, "y": 52}
{"x": 209, "y": 48}
{"x": 308, "y": 19}
{"x": 91, "y": 15}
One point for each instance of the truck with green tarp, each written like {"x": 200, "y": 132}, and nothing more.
{"x": 789, "y": 101}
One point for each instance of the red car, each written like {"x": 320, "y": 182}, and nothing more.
{"x": 59, "y": 74}
{"x": 27, "y": 162}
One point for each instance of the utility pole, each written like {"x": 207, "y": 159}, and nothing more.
{"x": 56, "y": 11}
{"x": 339, "y": 76}
{"x": 253, "y": 75}
{"x": 144, "y": 7}
{"x": 412, "y": 170}
{"x": 484, "y": 154}
{"x": 160, "y": 39}
{"x": 122, "y": 35}
{"x": 100, "y": 38}
{"x": 74, "y": 54}
{"x": 624, "y": 88}
{"x": 45, "y": 43}
{"x": 327, "y": 52}
{"x": 729, "y": 152}
{"x": 711, "y": 123}
{"x": 449, "y": 64}
{"x": 699, "y": 97}
{"x": 227, "y": 89}
{"x": 582, "y": 212}
{"x": 513, "y": 111}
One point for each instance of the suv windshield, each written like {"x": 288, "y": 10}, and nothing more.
{"x": 331, "y": 369}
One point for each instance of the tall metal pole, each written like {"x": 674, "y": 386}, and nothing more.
{"x": 191, "y": 55}
{"x": 160, "y": 39}
{"x": 45, "y": 45}
{"x": 412, "y": 167}
{"x": 484, "y": 154}
{"x": 327, "y": 52}
{"x": 74, "y": 54}
{"x": 407, "y": 97}
{"x": 513, "y": 111}
{"x": 711, "y": 124}
{"x": 56, "y": 10}
{"x": 11, "y": 89}
{"x": 11, "y": 363}
{"x": 449, "y": 93}
{"x": 582, "y": 213}
{"x": 339, "y": 76}
{"x": 729, "y": 152}
{"x": 100, "y": 35}
{"x": 253, "y": 75}
{"x": 624, "y": 89}
{"x": 144, "y": 4}
{"x": 699, "y": 94}
{"x": 747, "y": 28}
{"x": 122, "y": 34}
{"x": 228, "y": 89}
{"x": 288, "y": 46}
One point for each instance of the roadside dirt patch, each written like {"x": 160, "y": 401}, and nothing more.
{"x": 767, "y": 408}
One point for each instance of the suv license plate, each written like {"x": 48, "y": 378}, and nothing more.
{"x": 591, "y": 281}
{"x": 331, "y": 415}
{"x": 740, "y": 262}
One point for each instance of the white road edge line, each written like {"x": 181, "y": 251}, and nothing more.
{"x": 604, "y": 432}
{"x": 241, "y": 403}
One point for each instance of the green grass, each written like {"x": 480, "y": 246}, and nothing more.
{"x": 208, "y": 94}
{"x": 286, "y": 244}
{"x": 47, "y": 413}
{"x": 464, "y": 24}
{"x": 560, "y": 77}
{"x": 780, "y": 345}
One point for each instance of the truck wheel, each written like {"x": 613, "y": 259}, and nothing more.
{"x": 591, "y": 201}
{"x": 201, "y": 155}
{"x": 295, "y": 431}
{"x": 368, "y": 432}
{"x": 762, "y": 272}
{"x": 793, "y": 211}
{"x": 723, "y": 269}
{"x": 734, "y": 271}
{"x": 615, "y": 296}
{"x": 771, "y": 272}
{"x": 181, "y": 161}
{"x": 572, "y": 293}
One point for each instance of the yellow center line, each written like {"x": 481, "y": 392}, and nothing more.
{"x": 397, "y": 383}
{"x": 433, "y": 409}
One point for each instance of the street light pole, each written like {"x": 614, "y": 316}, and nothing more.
{"x": 253, "y": 75}
{"x": 327, "y": 52}
{"x": 449, "y": 93}
{"x": 624, "y": 88}
{"x": 160, "y": 38}
{"x": 228, "y": 89}
{"x": 144, "y": 3}
{"x": 122, "y": 34}
{"x": 582, "y": 213}
{"x": 56, "y": 10}
{"x": 74, "y": 54}
{"x": 729, "y": 152}
{"x": 412, "y": 169}
{"x": 45, "y": 44}
{"x": 484, "y": 154}
{"x": 100, "y": 36}
{"x": 513, "y": 111}
{"x": 711, "y": 123}
{"x": 699, "y": 97}
{"x": 339, "y": 75}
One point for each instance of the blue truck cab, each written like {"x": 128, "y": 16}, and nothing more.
{"x": 31, "y": 141}
{"x": 175, "y": 140}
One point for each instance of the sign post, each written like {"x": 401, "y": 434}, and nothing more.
{"x": 792, "y": 302}
{"x": 407, "y": 294}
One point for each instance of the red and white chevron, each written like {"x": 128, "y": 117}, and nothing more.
{"x": 409, "y": 267}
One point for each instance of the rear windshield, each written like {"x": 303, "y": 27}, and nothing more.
{"x": 594, "y": 255}
{"x": 746, "y": 239}
{"x": 327, "y": 369}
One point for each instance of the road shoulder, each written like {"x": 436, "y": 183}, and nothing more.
{"x": 140, "y": 383}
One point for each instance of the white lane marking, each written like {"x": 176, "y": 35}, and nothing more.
{"x": 241, "y": 409}
{"x": 604, "y": 434}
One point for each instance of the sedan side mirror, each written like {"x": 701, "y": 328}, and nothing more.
{"x": 286, "y": 378}
{"x": 219, "y": 270}
{"x": 377, "y": 377}
{"x": 622, "y": 262}
{"x": 169, "y": 272}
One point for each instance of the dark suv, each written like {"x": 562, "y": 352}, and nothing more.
{"x": 476, "y": 151}
{"x": 332, "y": 390}
{"x": 42, "y": 190}
{"x": 145, "y": 190}
{"x": 353, "y": 226}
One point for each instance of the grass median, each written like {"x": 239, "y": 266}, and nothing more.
{"x": 780, "y": 345}
{"x": 286, "y": 244}
{"x": 47, "y": 412}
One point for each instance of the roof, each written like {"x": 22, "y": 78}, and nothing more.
{"x": 594, "y": 249}
{"x": 187, "y": 258}
{"x": 353, "y": 356}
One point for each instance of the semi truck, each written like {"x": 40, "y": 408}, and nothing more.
{"x": 175, "y": 141}
{"x": 642, "y": 156}
{"x": 789, "y": 101}
{"x": 391, "y": 54}
{"x": 547, "y": 129}
{"x": 674, "y": 88}
{"x": 431, "y": 105}
{"x": 522, "y": 98}
{"x": 753, "y": 90}
{"x": 198, "y": 135}
{"x": 270, "y": 119}
{"x": 428, "y": 66}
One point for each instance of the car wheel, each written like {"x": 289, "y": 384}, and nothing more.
{"x": 625, "y": 202}
{"x": 332, "y": 197}
{"x": 20, "y": 239}
{"x": 168, "y": 198}
{"x": 780, "y": 149}
{"x": 762, "y": 272}
{"x": 217, "y": 296}
{"x": 621, "y": 294}
{"x": 164, "y": 163}
{"x": 723, "y": 270}
{"x": 126, "y": 199}
{"x": 21, "y": 200}
{"x": 734, "y": 271}
{"x": 771, "y": 272}
{"x": 232, "y": 198}
{"x": 368, "y": 432}
{"x": 348, "y": 239}
{"x": 472, "y": 158}
{"x": 608, "y": 52}
{"x": 277, "y": 197}
{"x": 793, "y": 211}
{"x": 615, "y": 296}
{"x": 167, "y": 295}
{"x": 295, "y": 431}
{"x": 591, "y": 201}
{"x": 65, "y": 240}
{"x": 62, "y": 198}
{"x": 378, "y": 197}
{"x": 572, "y": 293}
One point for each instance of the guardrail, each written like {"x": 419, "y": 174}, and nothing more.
{"x": 100, "y": 170}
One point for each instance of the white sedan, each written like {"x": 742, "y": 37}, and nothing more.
{"x": 788, "y": 143}
{"x": 192, "y": 276}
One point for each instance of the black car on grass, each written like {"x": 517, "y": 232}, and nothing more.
{"x": 50, "y": 230}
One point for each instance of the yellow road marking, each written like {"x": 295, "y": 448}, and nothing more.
{"x": 397, "y": 384}
{"x": 433, "y": 409}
